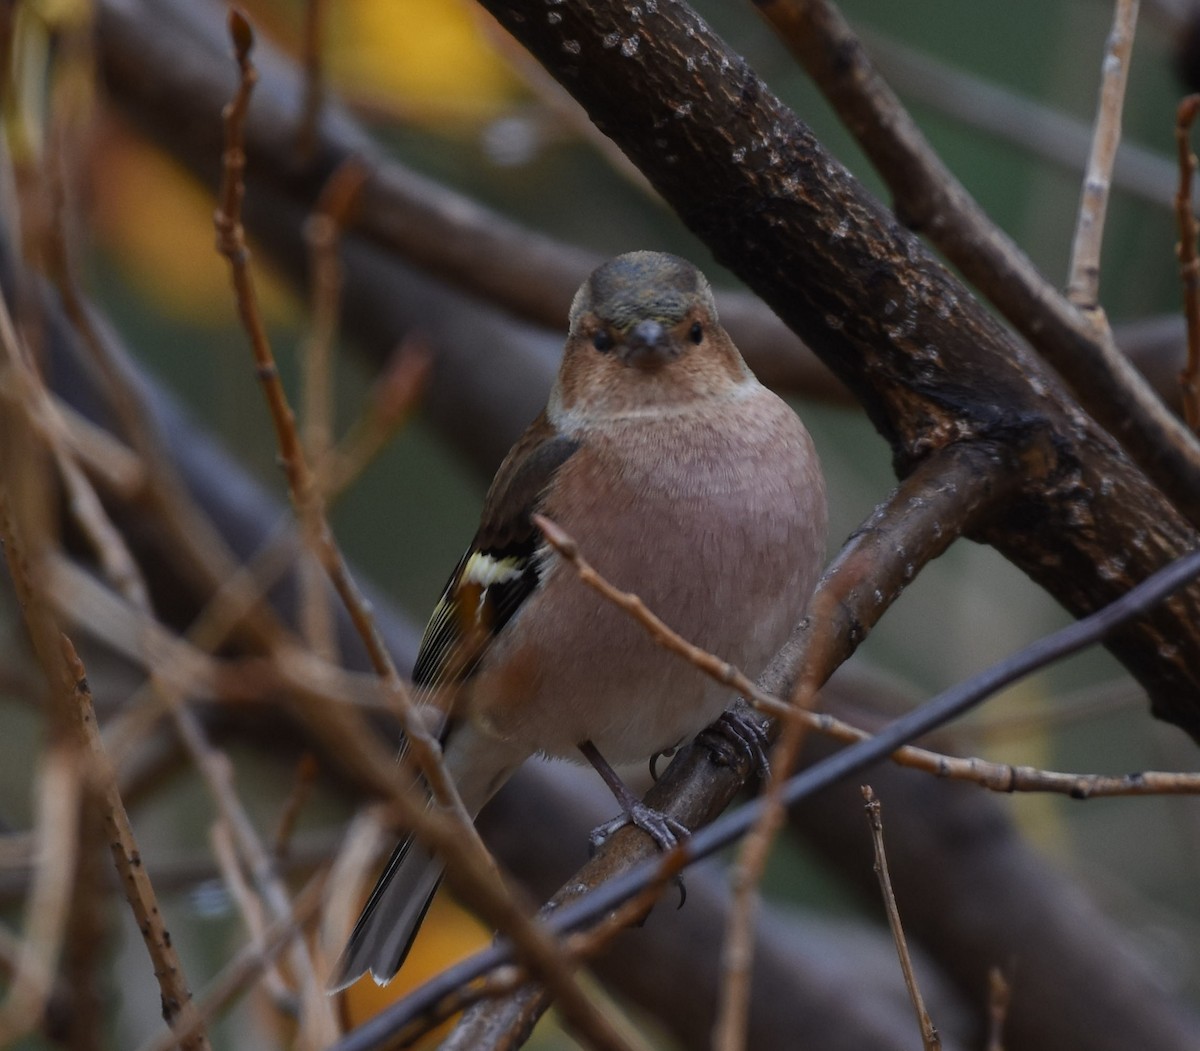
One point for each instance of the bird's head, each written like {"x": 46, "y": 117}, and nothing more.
{"x": 644, "y": 335}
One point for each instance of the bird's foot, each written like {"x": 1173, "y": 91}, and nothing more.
{"x": 665, "y": 831}
{"x": 738, "y": 734}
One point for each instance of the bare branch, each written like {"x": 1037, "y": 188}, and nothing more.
{"x": 1083, "y": 284}
{"x": 314, "y": 79}
{"x": 929, "y": 1034}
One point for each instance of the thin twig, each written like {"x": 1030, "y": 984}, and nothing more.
{"x": 1189, "y": 264}
{"x": 1004, "y": 777}
{"x": 323, "y": 234}
{"x": 250, "y": 906}
{"x": 394, "y": 396}
{"x": 307, "y": 770}
{"x": 57, "y": 819}
{"x": 306, "y": 497}
{"x": 1083, "y": 284}
{"x": 728, "y": 828}
{"x": 929, "y": 1034}
{"x": 314, "y": 79}
{"x": 1043, "y": 131}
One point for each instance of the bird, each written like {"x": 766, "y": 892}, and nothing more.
{"x": 681, "y": 478}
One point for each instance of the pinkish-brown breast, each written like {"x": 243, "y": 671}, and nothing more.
{"x": 717, "y": 521}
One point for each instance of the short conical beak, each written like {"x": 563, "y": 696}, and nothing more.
{"x": 647, "y": 345}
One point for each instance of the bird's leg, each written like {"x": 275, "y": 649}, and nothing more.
{"x": 665, "y": 831}
{"x": 738, "y": 729}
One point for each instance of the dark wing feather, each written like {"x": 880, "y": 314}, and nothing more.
{"x": 499, "y": 571}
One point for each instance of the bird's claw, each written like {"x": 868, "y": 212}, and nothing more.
{"x": 737, "y": 731}
{"x": 666, "y": 753}
{"x": 665, "y": 831}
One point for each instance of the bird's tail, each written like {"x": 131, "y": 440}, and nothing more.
{"x": 392, "y": 916}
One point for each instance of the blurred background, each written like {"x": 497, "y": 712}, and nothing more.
{"x": 1005, "y": 92}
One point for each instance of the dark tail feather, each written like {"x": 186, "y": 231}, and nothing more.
{"x": 391, "y": 918}
{"x": 479, "y": 764}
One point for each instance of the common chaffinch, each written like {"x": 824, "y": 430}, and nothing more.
{"x": 682, "y": 479}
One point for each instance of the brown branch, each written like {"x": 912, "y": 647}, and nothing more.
{"x": 1189, "y": 264}
{"x": 314, "y": 79}
{"x": 307, "y": 771}
{"x": 394, "y": 397}
{"x": 929, "y": 1034}
{"x": 929, "y": 199}
{"x": 1083, "y": 283}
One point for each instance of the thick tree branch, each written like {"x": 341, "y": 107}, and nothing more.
{"x": 929, "y": 199}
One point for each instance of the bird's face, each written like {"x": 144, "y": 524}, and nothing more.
{"x": 644, "y": 337}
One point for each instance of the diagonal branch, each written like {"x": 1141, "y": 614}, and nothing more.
{"x": 928, "y": 198}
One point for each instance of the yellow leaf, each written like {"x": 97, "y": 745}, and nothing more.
{"x": 430, "y": 55}
{"x": 157, "y": 223}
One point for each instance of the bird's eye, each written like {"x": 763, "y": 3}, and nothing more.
{"x": 602, "y": 341}
{"x": 696, "y": 332}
